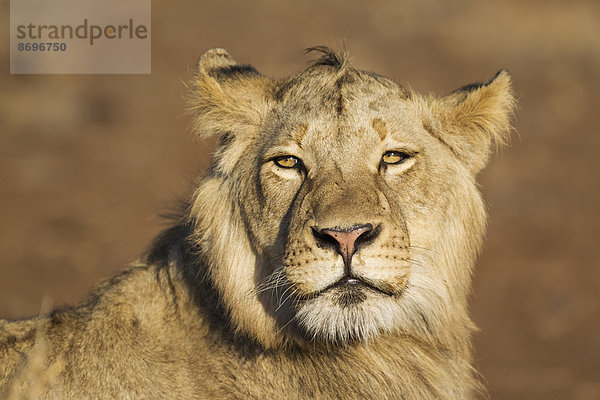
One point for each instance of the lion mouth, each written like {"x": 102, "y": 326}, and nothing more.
{"x": 352, "y": 284}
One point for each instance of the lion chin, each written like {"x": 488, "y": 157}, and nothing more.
{"x": 351, "y": 312}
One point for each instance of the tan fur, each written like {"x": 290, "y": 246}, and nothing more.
{"x": 238, "y": 299}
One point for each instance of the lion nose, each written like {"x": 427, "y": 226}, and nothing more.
{"x": 346, "y": 240}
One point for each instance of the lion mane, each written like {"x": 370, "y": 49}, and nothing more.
{"x": 327, "y": 252}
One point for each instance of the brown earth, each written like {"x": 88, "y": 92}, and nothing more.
{"x": 88, "y": 162}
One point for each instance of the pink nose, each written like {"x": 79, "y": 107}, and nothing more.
{"x": 346, "y": 240}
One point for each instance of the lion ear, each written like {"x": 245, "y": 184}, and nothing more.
{"x": 227, "y": 98}
{"x": 471, "y": 118}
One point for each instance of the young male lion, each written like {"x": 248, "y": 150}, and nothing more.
{"x": 327, "y": 253}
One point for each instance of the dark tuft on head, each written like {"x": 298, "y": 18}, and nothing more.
{"x": 331, "y": 66}
{"x": 329, "y": 57}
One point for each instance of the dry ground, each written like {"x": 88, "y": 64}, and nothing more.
{"x": 87, "y": 162}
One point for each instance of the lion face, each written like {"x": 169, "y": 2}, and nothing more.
{"x": 341, "y": 194}
{"x": 360, "y": 217}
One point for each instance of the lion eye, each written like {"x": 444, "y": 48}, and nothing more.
{"x": 287, "y": 161}
{"x": 394, "y": 157}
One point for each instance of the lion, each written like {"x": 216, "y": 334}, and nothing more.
{"x": 326, "y": 253}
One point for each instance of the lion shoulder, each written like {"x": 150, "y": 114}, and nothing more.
{"x": 123, "y": 335}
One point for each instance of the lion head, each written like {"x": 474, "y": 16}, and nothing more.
{"x": 341, "y": 206}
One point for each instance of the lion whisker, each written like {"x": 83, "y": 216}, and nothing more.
{"x": 273, "y": 281}
{"x": 282, "y": 299}
{"x": 416, "y": 262}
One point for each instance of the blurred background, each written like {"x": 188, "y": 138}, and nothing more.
{"x": 88, "y": 162}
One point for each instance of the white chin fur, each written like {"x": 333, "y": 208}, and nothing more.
{"x": 325, "y": 319}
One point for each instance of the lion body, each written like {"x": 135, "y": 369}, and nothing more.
{"x": 327, "y": 253}
{"x": 136, "y": 340}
